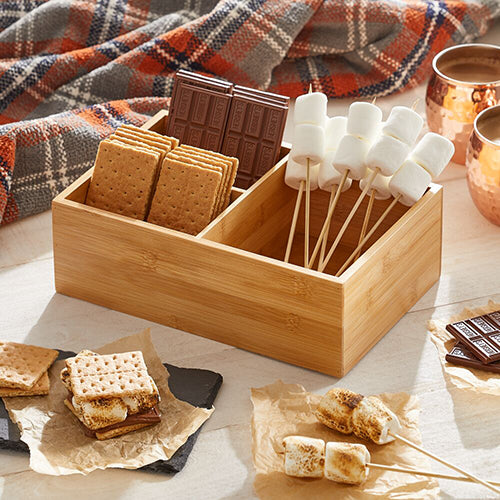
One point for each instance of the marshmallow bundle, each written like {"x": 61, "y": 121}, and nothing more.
{"x": 429, "y": 158}
{"x": 393, "y": 145}
{"x": 348, "y": 412}
{"x": 308, "y": 139}
{"x": 340, "y": 462}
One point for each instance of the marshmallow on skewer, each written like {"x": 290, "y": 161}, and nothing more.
{"x": 364, "y": 120}
{"x": 310, "y": 108}
{"x": 335, "y": 129}
{"x": 380, "y": 185}
{"x": 295, "y": 173}
{"x": 308, "y": 144}
{"x": 372, "y": 420}
{"x": 335, "y": 409}
{"x": 403, "y": 124}
{"x": 387, "y": 154}
{"x": 409, "y": 182}
{"x": 351, "y": 155}
{"x": 346, "y": 462}
{"x": 433, "y": 152}
{"x": 328, "y": 176}
{"x": 304, "y": 456}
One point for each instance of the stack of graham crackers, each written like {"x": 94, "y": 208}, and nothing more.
{"x": 148, "y": 176}
{"x": 126, "y": 169}
{"x": 24, "y": 369}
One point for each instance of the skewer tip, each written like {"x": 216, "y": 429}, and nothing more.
{"x": 415, "y": 104}
{"x": 310, "y": 88}
{"x": 374, "y": 100}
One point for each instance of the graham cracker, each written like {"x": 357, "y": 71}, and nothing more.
{"x": 137, "y": 143}
{"x": 123, "y": 179}
{"x": 185, "y": 196}
{"x": 173, "y": 141}
{"x": 144, "y": 140}
{"x": 109, "y": 376}
{"x": 210, "y": 164}
{"x": 232, "y": 176}
{"x": 21, "y": 366}
{"x": 41, "y": 388}
{"x": 120, "y": 431}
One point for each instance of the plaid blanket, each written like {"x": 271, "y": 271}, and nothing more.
{"x": 60, "y": 60}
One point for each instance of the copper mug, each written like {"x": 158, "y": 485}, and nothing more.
{"x": 483, "y": 163}
{"x": 465, "y": 81}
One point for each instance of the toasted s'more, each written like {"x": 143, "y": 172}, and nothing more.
{"x": 110, "y": 394}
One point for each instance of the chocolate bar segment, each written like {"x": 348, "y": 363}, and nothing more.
{"x": 460, "y": 355}
{"x": 253, "y": 134}
{"x": 481, "y": 335}
{"x": 198, "y": 111}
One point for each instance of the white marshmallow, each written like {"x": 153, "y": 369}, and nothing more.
{"x": 308, "y": 142}
{"x": 335, "y": 129}
{"x": 380, "y": 184}
{"x": 351, "y": 155}
{"x": 411, "y": 181}
{"x": 328, "y": 176}
{"x": 296, "y": 173}
{"x": 346, "y": 462}
{"x": 310, "y": 108}
{"x": 372, "y": 420}
{"x": 403, "y": 124}
{"x": 388, "y": 154}
{"x": 364, "y": 120}
{"x": 304, "y": 456}
{"x": 433, "y": 152}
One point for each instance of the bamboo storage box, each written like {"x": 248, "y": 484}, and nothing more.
{"x": 230, "y": 284}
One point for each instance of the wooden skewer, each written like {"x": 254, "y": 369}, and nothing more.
{"x": 425, "y": 473}
{"x": 415, "y": 104}
{"x": 325, "y": 239}
{"x": 308, "y": 205}
{"x": 308, "y": 213}
{"x": 369, "y": 235}
{"x": 326, "y": 224}
{"x": 294, "y": 221}
{"x": 366, "y": 220}
{"x": 375, "y": 172}
{"x": 444, "y": 462}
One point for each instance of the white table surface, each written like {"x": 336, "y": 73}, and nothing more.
{"x": 452, "y": 422}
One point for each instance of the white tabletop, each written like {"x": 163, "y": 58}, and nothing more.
{"x": 452, "y": 422}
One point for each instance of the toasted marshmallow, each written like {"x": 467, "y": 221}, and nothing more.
{"x": 372, "y": 420}
{"x": 99, "y": 413}
{"x": 336, "y": 408}
{"x": 346, "y": 462}
{"x": 304, "y": 456}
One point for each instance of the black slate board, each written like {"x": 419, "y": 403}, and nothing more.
{"x": 198, "y": 387}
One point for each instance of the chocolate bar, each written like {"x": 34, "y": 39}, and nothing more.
{"x": 253, "y": 134}
{"x": 229, "y": 119}
{"x": 198, "y": 110}
{"x": 480, "y": 334}
{"x": 460, "y": 355}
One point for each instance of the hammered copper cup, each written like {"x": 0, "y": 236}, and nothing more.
{"x": 466, "y": 80}
{"x": 483, "y": 163}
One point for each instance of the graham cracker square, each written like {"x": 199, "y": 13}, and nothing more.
{"x": 185, "y": 196}
{"x": 41, "y": 388}
{"x": 123, "y": 179}
{"x": 109, "y": 376}
{"x": 21, "y": 366}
